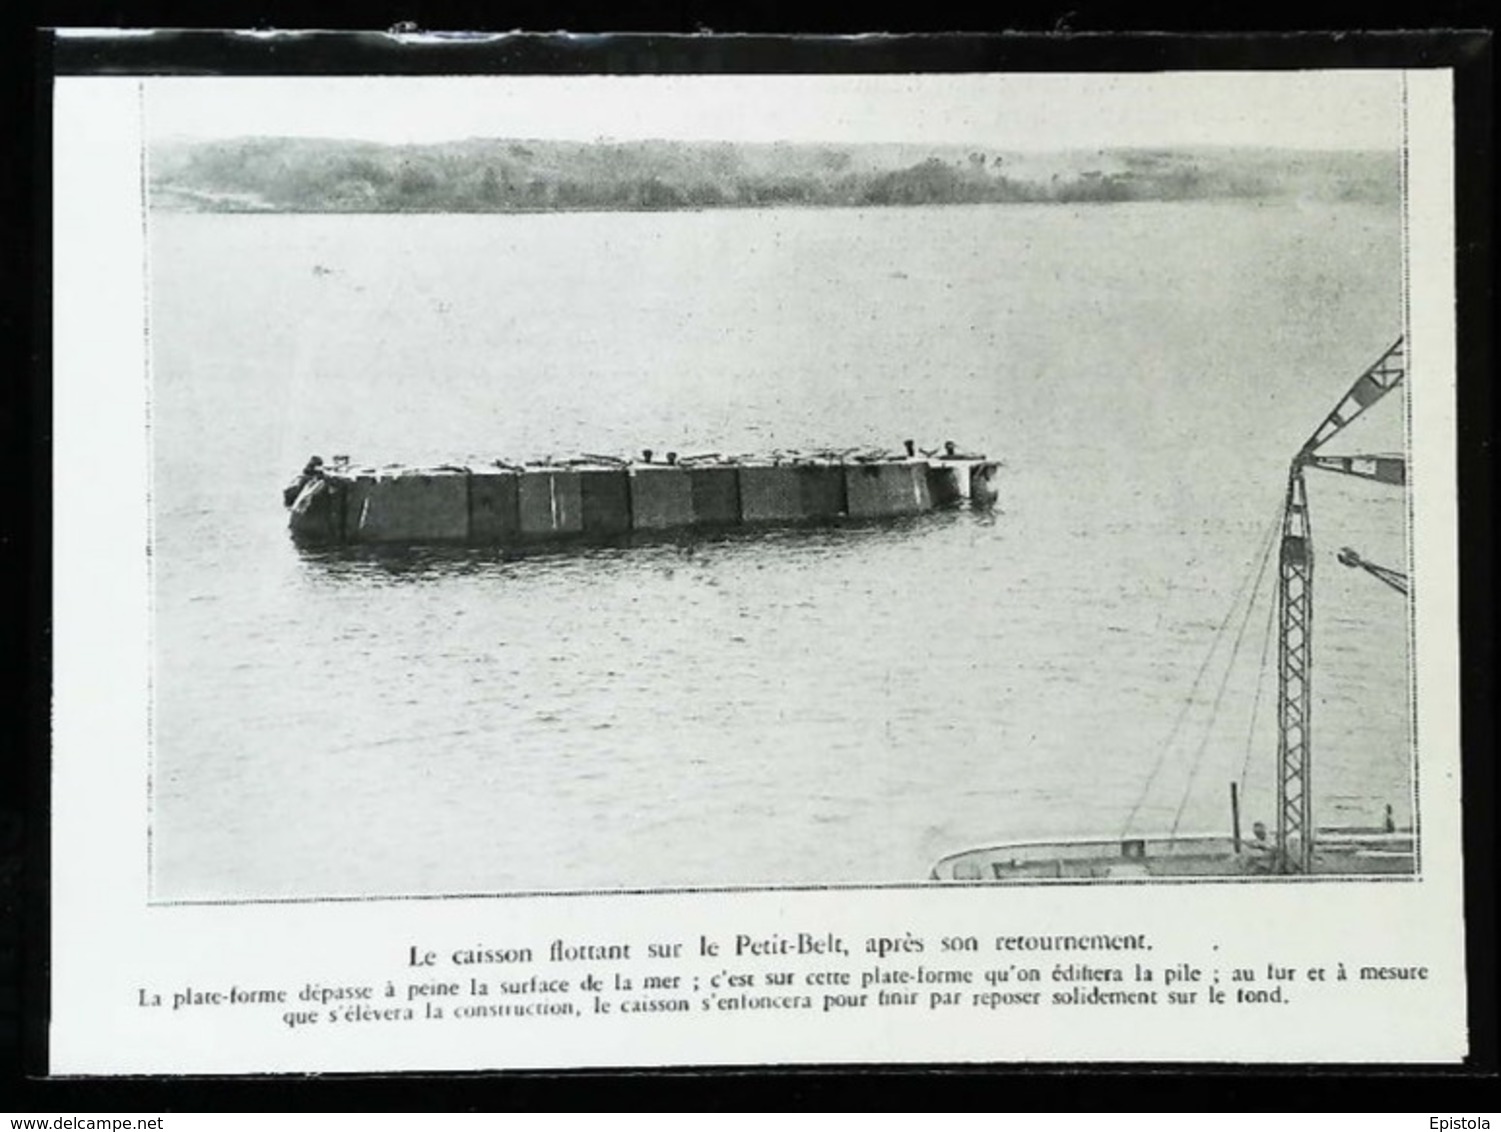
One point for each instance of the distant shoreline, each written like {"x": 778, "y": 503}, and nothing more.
{"x": 156, "y": 206}
{"x": 498, "y": 176}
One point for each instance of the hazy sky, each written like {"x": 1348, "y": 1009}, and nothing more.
{"x": 1303, "y": 109}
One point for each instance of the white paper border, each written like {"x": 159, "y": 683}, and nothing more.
{"x": 107, "y": 943}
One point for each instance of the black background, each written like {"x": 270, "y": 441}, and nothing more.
{"x": 1076, "y": 37}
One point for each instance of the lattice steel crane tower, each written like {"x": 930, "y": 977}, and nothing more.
{"x": 1295, "y": 822}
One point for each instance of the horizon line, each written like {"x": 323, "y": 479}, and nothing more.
{"x": 177, "y": 138}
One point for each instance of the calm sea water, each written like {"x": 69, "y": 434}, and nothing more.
{"x": 790, "y": 708}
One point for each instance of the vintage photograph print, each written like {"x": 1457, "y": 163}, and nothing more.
{"x": 606, "y": 483}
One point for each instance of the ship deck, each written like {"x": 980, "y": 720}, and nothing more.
{"x": 1336, "y": 853}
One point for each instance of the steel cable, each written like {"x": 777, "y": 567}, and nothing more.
{"x": 1266, "y": 648}
{"x": 1252, "y": 569}
{"x": 1219, "y": 695}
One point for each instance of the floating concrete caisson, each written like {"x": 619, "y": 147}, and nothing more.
{"x": 494, "y": 506}
{"x": 715, "y": 493}
{"x": 943, "y": 485}
{"x": 821, "y": 487}
{"x": 551, "y": 503}
{"x": 407, "y": 506}
{"x": 661, "y": 498}
{"x": 770, "y": 494}
{"x": 605, "y": 499}
{"x": 602, "y": 498}
{"x": 887, "y": 489}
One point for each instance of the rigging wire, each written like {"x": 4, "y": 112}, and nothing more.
{"x": 1219, "y": 695}
{"x": 1188, "y": 701}
{"x": 1266, "y": 648}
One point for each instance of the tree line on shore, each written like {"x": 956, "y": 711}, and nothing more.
{"x": 303, "y": 175}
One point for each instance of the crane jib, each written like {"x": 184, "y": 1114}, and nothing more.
{"x": 1367, "y": 389}
{"x": 1383, "y": 469}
